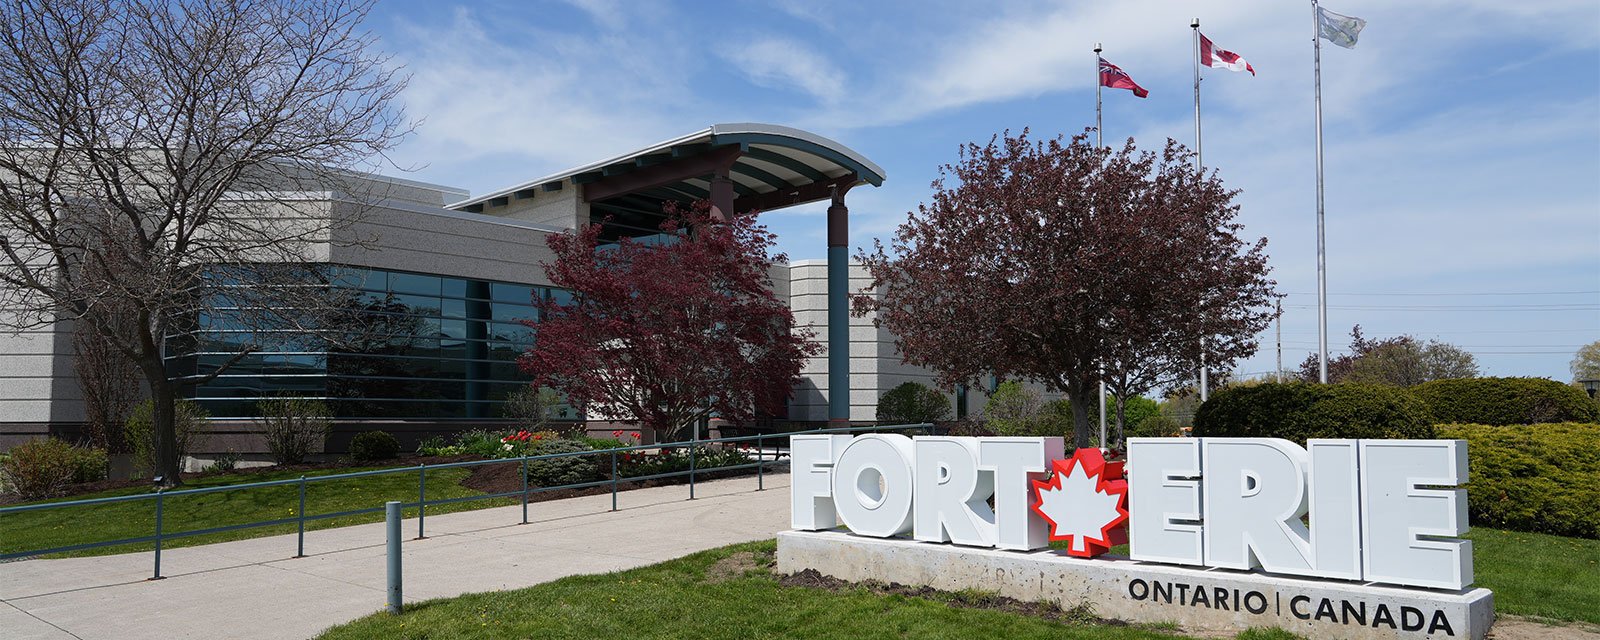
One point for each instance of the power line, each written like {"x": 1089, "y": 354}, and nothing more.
{"x": 1475, "y": 293}
{"x": 1505, "y": 307}
{"x": 1438, "y": 331}
{"x": 1568, "y": 348}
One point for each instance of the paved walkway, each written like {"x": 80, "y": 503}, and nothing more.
{"x": 250, "y": 589}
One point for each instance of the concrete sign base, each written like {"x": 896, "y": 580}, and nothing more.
{"x": 1209, "y": 599}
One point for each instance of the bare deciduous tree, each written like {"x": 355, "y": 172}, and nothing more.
{"x": 166, "y": 143}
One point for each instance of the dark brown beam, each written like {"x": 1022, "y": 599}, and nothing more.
{"x": 653, "y": 159}
{"x": 790, "y": 197}
{"x": 662, "y": 174}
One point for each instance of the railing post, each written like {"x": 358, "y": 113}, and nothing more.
{"x": 613, "y": 479}
{"x": 300, "y": 551}
{"x": 422, "y": 498}
{"x": 524, "y": 488}
{"x": 391, "y": 514}
{"x": 761, "y": 465}
{"x": 692, "y": 453}
{"x": 159, "y": 500}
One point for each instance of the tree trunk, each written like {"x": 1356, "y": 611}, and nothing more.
{"x": 163, "y": 420}
{"x": 1080, "y": 395}
{"x": 1118, "y": 437}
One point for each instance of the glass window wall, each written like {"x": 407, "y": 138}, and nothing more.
{"x": 412, "y": 345}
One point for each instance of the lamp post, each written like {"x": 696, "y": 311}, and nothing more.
{"x": 1591, "y": 385}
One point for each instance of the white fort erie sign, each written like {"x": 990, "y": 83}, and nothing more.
{"x": 1341, "y": 538}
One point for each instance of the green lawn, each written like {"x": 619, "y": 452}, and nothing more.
{"x": 675, "y": 599}
{"x": 1531, "y": 574}
{"x": 1539, "y": 575}
{"x": 73, "y": 525}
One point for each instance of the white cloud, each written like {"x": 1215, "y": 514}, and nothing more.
{"x": 783, "y": 63}
{"x": 1434, "y": 183}
{"x": 511, "y": 104}
{"x": 607, "y": 13}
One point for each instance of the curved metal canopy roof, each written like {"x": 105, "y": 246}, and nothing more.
{"x": 772, "y": 167}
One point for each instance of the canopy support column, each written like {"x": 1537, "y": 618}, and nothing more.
{"x": 838, "y": 308}
{"x": 722, "y": 194}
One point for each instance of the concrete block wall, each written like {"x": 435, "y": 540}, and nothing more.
{"x": 38, "y": 385}
{"x": 562, "y": 209}
{"x": 875, "y": 365}
{"x": 439, "y": 241}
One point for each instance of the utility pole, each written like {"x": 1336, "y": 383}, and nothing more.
{"x": 1280, "y": 341}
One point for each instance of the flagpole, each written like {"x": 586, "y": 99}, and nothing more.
{"x": 1322, "y": 260}
{"x": 1099, "y": 138}
{"x": 1099, "y": 143}
{"x": 1199, "y": 167}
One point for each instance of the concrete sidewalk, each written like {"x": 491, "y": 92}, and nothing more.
{"x": 252, "y": 589}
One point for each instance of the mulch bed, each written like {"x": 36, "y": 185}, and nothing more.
{"x": 245, "y": 473}
{"x": 1082, "y": 614}
{"x": 489, "y": 478}
{"x": 506, "y": 478}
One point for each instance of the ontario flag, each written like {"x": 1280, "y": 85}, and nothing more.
{"x": 1214, "y": 57}
{"x": 1113, "y": 76}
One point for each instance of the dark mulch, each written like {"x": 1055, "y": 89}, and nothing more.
{"x": 506, "y": 478}
{"x": 245, "y": 474}
{"x": 1081, "y": 614}
{"x": 488, "y": 478}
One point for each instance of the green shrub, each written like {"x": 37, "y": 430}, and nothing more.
{"x": 480, "y": 442}
{"x": 676, "y": 459}
{"x": 225, "y": 462}
{"x": 556, "y": 472}
{"x": 912, "y": 403}
{"x": 1500, "y": 401}
{"x": 531, "y": 407}
{"x": 1017, "y": 410}
{"x": 141, "y": 436}
{"x": 1299, "y": 411}
{"x": 294, "y": 427}
{"x": 1135, "y": 412}
{"x": 1544, "y": 479}
{"x": 90, "y": 464}
{"x": 1159, "y": 425}
{"x": 44, "y": 468}
{"x": 602, "y": 444}
{"x": 434, "y": 446}
{"x": 374, "y": 445}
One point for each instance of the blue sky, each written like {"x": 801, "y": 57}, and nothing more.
{"x": 1462, "y": 136}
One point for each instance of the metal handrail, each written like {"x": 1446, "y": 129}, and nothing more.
{"x": 422, "y": 503}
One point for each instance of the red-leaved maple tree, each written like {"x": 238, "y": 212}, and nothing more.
{"x": 1066, "y": 264}
{"x": 665, "y": 331}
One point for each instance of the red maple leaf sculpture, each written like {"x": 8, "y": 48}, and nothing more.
{"x": 1085, "y": 502}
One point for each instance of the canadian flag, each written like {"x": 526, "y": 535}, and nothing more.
{"x": 1211, "y": 56}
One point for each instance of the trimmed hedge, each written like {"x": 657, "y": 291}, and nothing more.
{"x": 1544, "y": 479}
{"x": 1502, "y": 401}
{"x": 1299, "y": 411}
{"x": 368, "y": 446}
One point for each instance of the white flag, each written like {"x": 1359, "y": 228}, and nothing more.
{"x": 1339, "y": 29}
